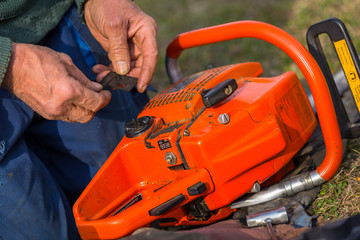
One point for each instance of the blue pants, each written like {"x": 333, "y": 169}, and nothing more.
{"x": 44, "y": 165}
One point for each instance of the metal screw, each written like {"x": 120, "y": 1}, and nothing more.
{"x": 255, "y": 188}
{"x": 228, "y": 90}
{"x": 224, "y": 118}
{"x": 170, "y": 158}
{"x": 186, "y": 133}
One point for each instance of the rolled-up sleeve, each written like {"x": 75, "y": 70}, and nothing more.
{"x": 80, "y": 5}
{"x": 5, "y": 54}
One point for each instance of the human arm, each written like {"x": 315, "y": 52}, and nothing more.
{"x": 51, "y": 84}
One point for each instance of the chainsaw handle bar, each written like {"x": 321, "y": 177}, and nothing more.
{"x": 295, "y": 50}
{"x": 335, "y": 29}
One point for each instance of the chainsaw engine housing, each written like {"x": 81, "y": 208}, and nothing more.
{"x": 195, "y": 148}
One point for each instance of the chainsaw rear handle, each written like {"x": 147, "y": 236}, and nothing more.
{"x": 349, "y": 61}
{"x": 295, "y": 50}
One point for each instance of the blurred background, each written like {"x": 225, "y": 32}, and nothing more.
{"x": 294, "y": 16}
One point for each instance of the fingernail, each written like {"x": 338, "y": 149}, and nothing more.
{"x": 142, "y": 88}
{"x": 122, "y": 67}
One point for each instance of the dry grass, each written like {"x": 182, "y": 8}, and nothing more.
{"x": 340, "y": 197}
{"x": 295, "y": 17}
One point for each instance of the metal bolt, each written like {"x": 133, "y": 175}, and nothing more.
{"x": 255, "y": 188}
{"x": 170, "y": 158}
{"x": 186, "y": 133}
{"x": 228, "y": 90}
{"x": 224, "y": 118}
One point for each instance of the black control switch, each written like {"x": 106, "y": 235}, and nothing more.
{"x": 197, "y": 189}
{"x": 218, "y": 93}
{"x": 136, "y": 127}
{"x": 166, "y": 206}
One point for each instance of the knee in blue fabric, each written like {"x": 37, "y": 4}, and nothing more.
{"x": 32, "y": 205}
{"x": 15, "y": 117}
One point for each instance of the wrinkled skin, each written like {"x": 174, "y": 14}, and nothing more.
{"x": 127, "y": 34}
{"x": 51, "y": 85}
{"x": 54, "y": 87}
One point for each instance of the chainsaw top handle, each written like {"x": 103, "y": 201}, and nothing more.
{"x": 295, "y": 50}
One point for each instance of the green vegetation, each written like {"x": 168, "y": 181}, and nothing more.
{"x": 175, "y": 17}
{"x": 340, "y": 197}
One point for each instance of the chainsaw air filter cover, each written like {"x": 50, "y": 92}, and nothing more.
{"x": 205, "y": 142}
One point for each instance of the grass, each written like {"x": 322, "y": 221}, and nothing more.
{"x": 295, "y": 17}
{"x": 338, "y": 198}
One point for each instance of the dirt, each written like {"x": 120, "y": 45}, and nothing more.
{"x": 339, "y": 198}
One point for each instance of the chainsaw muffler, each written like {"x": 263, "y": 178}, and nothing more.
{"x": 286, "y": 188}
{"x": 209, "y": 138}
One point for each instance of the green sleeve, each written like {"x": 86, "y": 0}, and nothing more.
{"x": 80, "y": 5}
{"x": 5, "y": 54}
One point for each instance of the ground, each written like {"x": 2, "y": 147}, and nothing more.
{"x": 339, "y": 198}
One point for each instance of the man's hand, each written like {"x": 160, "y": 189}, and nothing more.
{"x": 52, "y": 85}
{"x": 127, "y": 34}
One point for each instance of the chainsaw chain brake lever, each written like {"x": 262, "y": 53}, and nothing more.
{"x": 349, "y": 61}
{"x": 115, "y": 81}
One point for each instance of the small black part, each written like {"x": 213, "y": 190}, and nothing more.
{"x": 137, "y": 198}
{"x": 164, "y": 144}
{"x": 136, "y": 127}
{"x": 198, "y": 209}
{"x": 115, "y": 81}
{"x": 219, "y": 93}
{"x": 197, "y": 189}
{"x": 336, "y": 31}
{"x": 166, "y": 206}
{"x": 107, "y": 80}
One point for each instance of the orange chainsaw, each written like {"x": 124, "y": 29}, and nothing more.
{"x": 210, "y": 138}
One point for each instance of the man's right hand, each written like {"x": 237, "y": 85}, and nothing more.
{"x": 52, "y": 85}
{"x": 127, "y": 34}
